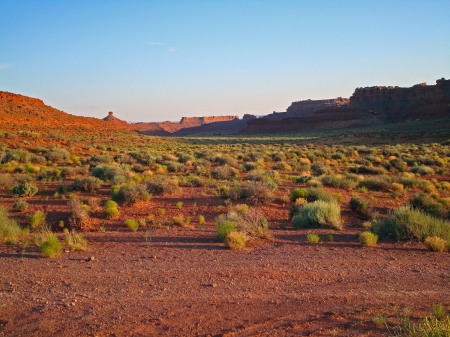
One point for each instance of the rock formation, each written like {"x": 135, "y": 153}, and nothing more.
{"x": 114, "y": 119}
{"x": 367, "y": 106}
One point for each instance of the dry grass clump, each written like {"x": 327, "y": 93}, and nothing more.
{"x": 436, "y": 244}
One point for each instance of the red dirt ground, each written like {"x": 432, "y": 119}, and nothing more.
{"x": 186, "y": 283}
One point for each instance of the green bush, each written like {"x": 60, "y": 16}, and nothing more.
{"x": 24, "y": 190}
{"x": 319, "y": 168}
{"x": 224, "y": 228}
{"x": 195, "y": 181}
{"x": 318, "y": 193}
{"x": 50, "y": 245}
{"x": 339, "y": 182}
{"x": 110, "y": 209}
{"x": 235, "y": 240}
{"x": 422, "y": 170}
{"x": 318, "y": 214}
{"x": 8, "y": 227}
{"x": 131, "y": 194}
{"x": 248, "y": 221}
{"x": 90, "y": 184}
{"x": 132, "y": 224}
{"x": 380, "y": 183}
{"x": 37, "y": 220}
{"x": 406, "y": 223}
{"x": 359, "y": 205}
{"x": 298, "y": 193}
{"x": 425, "y": 203}
{"x": 313, "y": 238}
{"x": 368, "y": 239}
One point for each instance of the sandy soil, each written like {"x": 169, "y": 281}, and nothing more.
{"x": 186, "y": 283}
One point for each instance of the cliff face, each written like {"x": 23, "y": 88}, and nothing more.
{"x": 367, "y": 106}
{"x": 167, "y": 128}
{"x": 308, "y": 107}
{"x": 397, "y": 104}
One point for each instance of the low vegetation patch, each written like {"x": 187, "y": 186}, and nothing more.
{"x": 318, "y": 214}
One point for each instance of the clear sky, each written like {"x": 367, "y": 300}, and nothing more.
{"x": 161, "y": 60}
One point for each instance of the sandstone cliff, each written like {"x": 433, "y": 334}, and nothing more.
{"x": 367, "y": 106}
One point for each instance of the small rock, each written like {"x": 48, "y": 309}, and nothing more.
{"x": 90, "y": 258}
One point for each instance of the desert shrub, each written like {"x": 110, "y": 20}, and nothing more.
{"x": 438, "y": 311}
{"x": 427, "y": 204}
{"x": 318, "y": 214}
{"x": 258, "y": 193}
{"x": 313, "y": 238}
{"x": 224, "y": 172}
{"x": 398, "y": 164}
{"x": 19, "y": 155}
{"x": 339, "y": 182}
{"x": 249, "y": 166}
{"x": 435, "y": 244}
{"x": 235, "y": 192}
{"x": 250, "y": 222}
{"x": 50, "y": 245}
{"x": 139, "y": 168}
{"x": 380, "y": 183}
{"x": 367, "y": 170}
{"x": 101, "y": 158}
{"x": 37, "y": 220}
{"x": 132, "y": 224}
{"x": 408, "y": 180}
{"x": 8, "y": 227}
{"x": 282, "y": 166}
{"x": 162, "y": 185}
{"x": 70, "y": 172}
{"x": 224, "y": 228}
{"x": 185, "y": 157}
{"x": 195, "y": 181}
{"x": 422, "y": 170}
{"x": 57, "y": 155}
{"x": 110, "y": 209}
{"x": 174, "y": 166}
{"x": 319, "y": 168}
{"x": 118, "y": 180}
{"x": 90, "y": 184}
{"x": 226, "y": 160}
{"x": 79, "y": 213}
{"x": 430, "y": 328}
{"x": 179, "y": 220}
{"x": 359, "y": 205}
{"x": 20, "y": 206}
{"x": 298, "y": 193}
{"x": 303, "y": 179}
{"x": 24, "y": 190}
{"x": 406, "y": 223}
{"x": 131, "y": 194}
{"x": 318, "y": 193}
{"x": 368, "y": 239}
{"x": 235, "y": 240}
{"x": 75, "y": 241}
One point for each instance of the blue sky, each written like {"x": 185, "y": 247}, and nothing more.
{"x": 161, "y": 60}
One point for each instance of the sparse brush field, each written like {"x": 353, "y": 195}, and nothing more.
{"x": 222, "y": 236}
